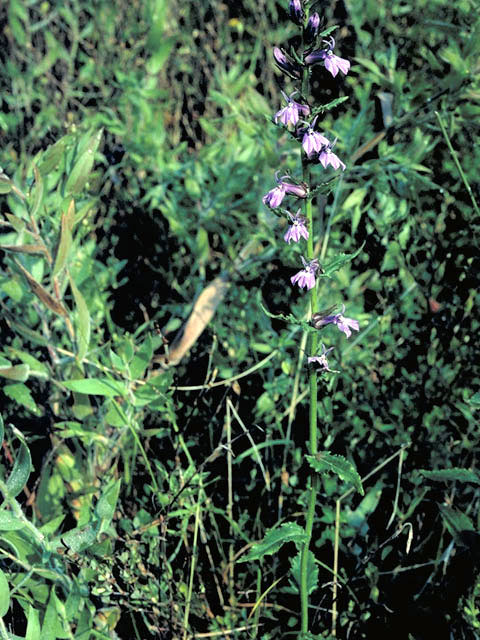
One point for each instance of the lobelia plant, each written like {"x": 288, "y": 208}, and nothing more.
{"x": 301, "y": 119}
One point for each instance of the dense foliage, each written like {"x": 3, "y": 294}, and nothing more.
{"x": 140, "y": 467}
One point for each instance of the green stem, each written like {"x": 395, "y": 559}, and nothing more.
{"x": 313, "y": 446}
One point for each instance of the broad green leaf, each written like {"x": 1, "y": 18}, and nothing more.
{"x": 21, "y": 394}
{"x": 9, "y": 522}
{"x": 107, "y": 503}
{"x": 451, "y": 475}
{"x": 96, "y": 387}
{"x": 21, "y": 468}
{"x": 82, "y": 323}
{"x": 82, "y": 538}
{"x": 141, "y": 359}
{"x": 33, "y": 624}
{"x": 328, "y": 462}
{"x": 455, "y": 520}
{"x": 312, "y": 571}
{"x": 35, "y": 365}
{"x": 338, "y": 262}
{"x": 276, "y": 538}
{"x": 52, "y": 156}
{"x": 5, "y": 184}
{"x": 79, "y": 175}
{"x": 4, "y": 594}
{"x": 19, "y": 372}
{"x": 65, "y": 240}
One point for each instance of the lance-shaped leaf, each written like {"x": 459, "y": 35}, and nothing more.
{"x": 10, "y": 522}
{"x": 451, "y": 475}
{"x": 31, "y": 249}
{"x": 17, "y": 223}
{"x": 78, "y": 177}
{"x": 276, "y": 538}
{"x": 456, "y": 521}
{"x": 338, "y": 262}
{"x": 4, "y": 595}
{"x": 53, "y": 154}
{"x": 21, "y": 394}
{"x": 42, "y": 294}
{"x": 328, "y": 462}
{"x": 21, "y": 468}
{"x": 97, "y": 387}
{"x": 18, "y": 372}
{"x": 36, "y": 196}
{"x": 5, "y": 183}
{"x": 330, "y": 105}
{"x": 65, "y": 241}
{"x": 83, "y": 321}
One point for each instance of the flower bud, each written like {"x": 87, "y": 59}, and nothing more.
{"x": 296, "y": 11}
{"x": 286, "y": 64}
{"x": 311, "y": 29}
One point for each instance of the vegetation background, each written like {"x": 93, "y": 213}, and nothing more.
{"x": 136, "y": 147}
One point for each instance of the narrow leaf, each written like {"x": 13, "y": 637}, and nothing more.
{"x": 81, "y": 170}
{"x": 83, "y": 321}
{"x": 31, "y": 249}
{"x": 328, "y": 462}
{"x": 36, "y": 196}
{"x": 96, "y": 387}
{"x": 42, "y": 294}
{"x": 338, "y": 262}
{"x": 65, "y": 241}
{"x": 4, "y": 594}
{"x": 276, "y": 538}
{"x": 52, "y": 156}
{"x": 451, "y": 475}
{"x": 33, "y": 624}
{"x": 455, "y": 520}
{"x": 21, "y": 468}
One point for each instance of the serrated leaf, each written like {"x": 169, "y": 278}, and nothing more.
{"x": 4, "y": 594}
{"x": 275, "y": 539}
{"x": 451, "y": 475}
{"x": 312, "y": 573}
{"x": 42, "y": 294}
{"x": 327, "y": 31}
{"x": 83, "y": 321}
{"x": 290, "y": 319}
{"x": 330, "y": 105}
{"x": 19, "y": 372}
{"x": 96, "y": 387}
{"x": 338, "y": 262}
{"x": 21, "y": 467}
{"x": 65, "y": 240}
{"x": 328, "y": 462}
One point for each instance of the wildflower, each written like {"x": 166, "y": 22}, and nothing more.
{"x": 296, "y": 12}
{"x": 291, "y": 113}
{"x": 312, "y": 141}
{"x": 327, "y": 157}
{"x": 332, "y": 63}
{"x": 311, "y": 29}
{"x": 297, "y": 229}
{"x": 344, "y": 324}
{"x": 306, "y": 277}
{"x": 286, "y": 64}
{"x": 321, "y": 360}
{"x": 274, "y": 197}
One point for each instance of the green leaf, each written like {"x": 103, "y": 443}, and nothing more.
{"x": 4, "y": 594}
{"x": 21, "y": 468}
{"x": 82, "y": 538}
{"x": 65, "y": 241}
{"x": 79, "y": 175}
{"x": 21, "y": 394}
{"x": 52, "y": 156}
{"x": 33, "y": 624}
{"x": 455, "y": 520}
{"x": 9, "y": 522}
{"x": 19, "y": 372}
{"x": 2, "y": 429}
{"x": 276, "y": 538}
{"x": 5, "y": 184}
{"x": 312, "y": 573}
{"x": 142, "y": 359}
{"x": 96, "y": 387}
{"x": 158, "y": 59}
{"x": 328, "y": 462}
{"x": 36, "y": 196}
{"x": 475, "y": 399}
{"x": 330, "y": 105}
{"x": 338, "y": 262}
{"x": 107, "y": 503}
{"x": 83, "y": 321}
{"x": 451, "y": 475}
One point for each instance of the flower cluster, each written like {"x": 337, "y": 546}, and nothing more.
{"x": 298, "y": 117}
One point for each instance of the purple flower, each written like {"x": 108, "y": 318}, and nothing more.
{"x": 286, "y": 64}
{"x": 332, "y": 63}
{"x": 344, "y": 324}
{"x": 321, "y": 360}
{"x": 312, "y": 141}
{"x": 296, "y": 12}
{"x": 327, "y": 157}
{"x": 306, "y": 277}
{"x": 274, "y": 197}
{"x": 311, "y": 29}
{"x": 297, "y": 229}
{"x": 291, "y": 113}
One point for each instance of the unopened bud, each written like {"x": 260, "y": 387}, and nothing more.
{"x": 296, "y": 11}
{"x": 311, "y": 29}
{"x": 286, "y": 64}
